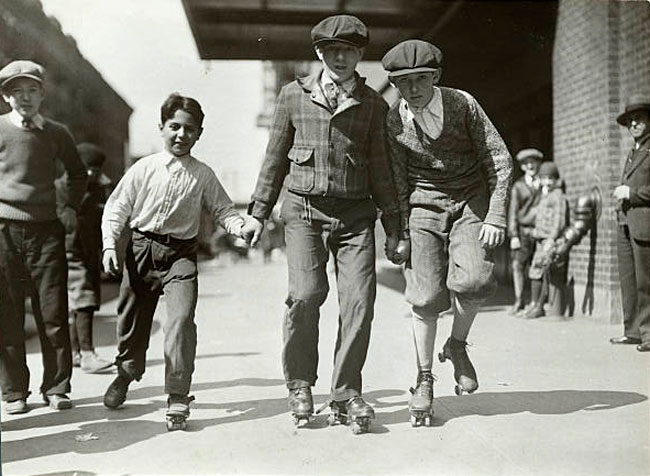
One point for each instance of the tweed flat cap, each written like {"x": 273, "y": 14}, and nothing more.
{"x": 531, "y": 153}
{"x": 549, "y": 169}
{"x": 412, "y": 56}
{"x": 635, "y": 103}
{"x": 21, "y": 69}
{"x": 344, "y": 28}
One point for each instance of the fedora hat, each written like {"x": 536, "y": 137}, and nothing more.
{"x": 635, "y": 103}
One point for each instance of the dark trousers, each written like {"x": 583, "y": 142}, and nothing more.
{"x": 32, "y": 263}
{"x": 150, "y": 270}
{"x": 634, "y": 275}
{"x": 314, "y": 227}
{"x": 81, "y": 329}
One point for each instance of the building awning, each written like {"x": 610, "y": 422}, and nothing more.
{"x": 280, "y": 29}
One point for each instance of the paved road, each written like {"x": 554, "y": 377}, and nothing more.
{"x": 555, "y": 399}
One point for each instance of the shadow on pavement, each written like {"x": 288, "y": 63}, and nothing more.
{"x": 554, "y": 402}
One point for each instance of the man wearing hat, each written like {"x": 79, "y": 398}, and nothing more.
{"x": 633, "y": 212}
{"x": 328, "y": 141}
{"x": 524, "y": 195}
{"x": 441, "y": 144}
{"x": 32, "y": 251}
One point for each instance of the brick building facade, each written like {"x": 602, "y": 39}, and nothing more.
{"x": 76, "y": 93}
{"x": 601, "y": 55}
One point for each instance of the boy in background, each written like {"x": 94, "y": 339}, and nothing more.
{"x": 551, "y": 218}
{"x": 524, "y": 195}
{"x": 83, "y": 246}
{"x": 160, "y": 199}
{"x": 32, "y": 249}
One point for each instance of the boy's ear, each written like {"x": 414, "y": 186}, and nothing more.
{"x": 198, "y": 135}
{"x": 319, "y": 53}
{"x": 160, "y": 126}
{"x": 437, "y": 74}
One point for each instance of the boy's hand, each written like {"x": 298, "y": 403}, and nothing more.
{"x": 622, "y": 192}
{"x": 402, "y": 252}
{"x": 515, "y": 243}
{"x": 252, "y": 231}
{"x": 392, "y": 241}
{"x": 109, "y": 260}
{"x": 491, "y": 236}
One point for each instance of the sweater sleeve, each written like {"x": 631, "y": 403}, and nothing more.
{"x": 77, "y": 179}
{"x": 495, "y": 159}
{"x": 399, "y": 163}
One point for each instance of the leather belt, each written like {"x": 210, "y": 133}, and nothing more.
{"x": 164, "y": 239}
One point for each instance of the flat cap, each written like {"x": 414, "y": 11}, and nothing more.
{"x": 549, "y": 169}
{"x": 531, "y": 153}
{"x": 344, "y": 28}
{"x": 635, "y": 103}
{"x": 91, "y": 155}
{"x": 21, "y": 69}
{"x": 412, "y": 56}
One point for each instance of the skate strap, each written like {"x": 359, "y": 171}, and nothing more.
{"x": 328, "y": 403}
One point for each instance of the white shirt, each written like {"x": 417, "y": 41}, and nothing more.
{"x": 17, "y": 120}
{"x": 430, "y": 117}
{"x": 165, "y": 194}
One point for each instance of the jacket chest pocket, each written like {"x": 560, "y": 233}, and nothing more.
{"x": 301, "y": 171}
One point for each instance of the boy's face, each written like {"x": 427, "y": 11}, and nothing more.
{"x": 24, "y": 95}
{"x": 339, "y": 59}
{"x": 546, "y": 182}
{"x": 639, "y": 124}
{"x": 530, "y": 166}
{"x": 417, "y": 88}
{"x": 180, "y": 133}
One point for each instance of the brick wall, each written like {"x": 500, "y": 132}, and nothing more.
{"x": 601, "y": 54}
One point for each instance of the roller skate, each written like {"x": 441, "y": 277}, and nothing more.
{"x": 355, "y": 412}
{"x": 178, "y": 410}
{"x": 464, "y": 372}
{"x": 301, "y": 404}
{"x": 421, "y": 404}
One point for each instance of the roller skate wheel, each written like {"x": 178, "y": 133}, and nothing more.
{"x": 428, "y": 421}
{"x": 174, "y": 425}
{"x": 458, "y": 390}
{"x": 441, "y": 357}
{"x": 331, "y": 420}
{"x": 414, "y": 421}
{"x": 357, "y": 428}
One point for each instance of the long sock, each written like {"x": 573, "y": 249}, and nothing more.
{"x": 464, "y": 314}
{"x": 536, "y": 290}
{"x": 424, "y": 337}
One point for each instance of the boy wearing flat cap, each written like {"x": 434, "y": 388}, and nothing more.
{"x": 524, "y": 196}
{"x": 442, "y": 144}
{"x": 633, "y": 211}
{"x": 32, "y": 250}
{"x": 328, "y": 140}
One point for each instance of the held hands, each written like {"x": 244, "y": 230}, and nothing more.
{"x": 397, "y": 251}
{"x": 252, "y": 231}
{"x": 622, "y": 192}
{"x": 491, "y": 236}
{"x": 109, "y": 261}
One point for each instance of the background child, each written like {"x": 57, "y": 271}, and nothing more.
{"x": 83, "y": 245}
{"x": 524, "y": 195}
{"x": 551, "y": 218}
{"x": 32, "y": 251}
{"x": 160, "y": 199}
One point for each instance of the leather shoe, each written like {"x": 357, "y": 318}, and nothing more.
{"x": 624, "y": 340}
{"x": 645, "y": 347}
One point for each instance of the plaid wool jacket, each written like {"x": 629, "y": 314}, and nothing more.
{"x": 456, "y": 165}
{"x": 320, "y": 152}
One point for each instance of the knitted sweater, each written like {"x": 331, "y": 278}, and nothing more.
{"x": 456, "y": 165}
{"x": 28, "y": 170}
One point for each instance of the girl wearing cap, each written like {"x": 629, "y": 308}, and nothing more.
{"x": 441, "y": 143}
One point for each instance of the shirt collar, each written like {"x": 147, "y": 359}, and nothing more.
{"x": 433, "y": 107}
{"x": 348, "y": 85}
{"x": 17, "y": 120}
{"x": 171, "y": 158}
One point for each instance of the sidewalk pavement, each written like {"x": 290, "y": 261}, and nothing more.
{"x": 555, "y": 398}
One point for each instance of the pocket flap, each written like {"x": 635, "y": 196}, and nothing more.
{"x": 300, "y": 155}
{"x": 358, "y": 161}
